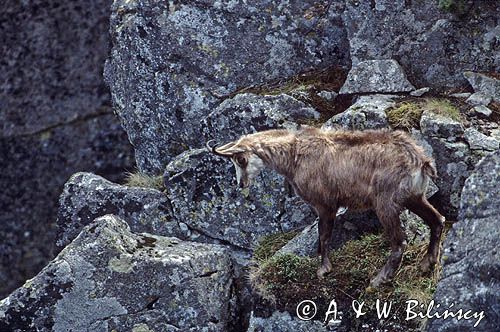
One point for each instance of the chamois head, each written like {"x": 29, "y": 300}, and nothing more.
{"x": 245, "y": 161}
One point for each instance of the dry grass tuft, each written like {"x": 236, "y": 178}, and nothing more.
{"x": 142, "y": 180}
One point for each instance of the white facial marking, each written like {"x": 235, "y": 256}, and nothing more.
{"x": 238, "y": 172}
{"x": 255, "y": 165}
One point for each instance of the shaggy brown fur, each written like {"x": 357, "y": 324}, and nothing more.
{"x": 374, "y": 169}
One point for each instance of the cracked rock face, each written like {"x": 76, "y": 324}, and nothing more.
{"x": 55, "y": 120}
{"x": 433, "y": 46}
{"x": 203, "y": 192}
{"x": 110, "y": 278}
{"x": 34, "y": 170}
{"x": 470, "y": 276}
{"x": 248, "y": 113}
{"x": 87, "y": 196}
{"x": 171, "y": 62}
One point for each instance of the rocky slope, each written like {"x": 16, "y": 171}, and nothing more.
{"x": 55, "y": 120}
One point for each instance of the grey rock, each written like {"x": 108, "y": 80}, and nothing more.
{"x": 432, "y": 45}
{"x": 328, "y": 95}
{"x": 482, "y": 110}
{"x": 436, "y": 125}
{"x": 172, "y": 64}
{"x": 283, "y": 321}
{"x": 420, "y": 92}
{"x": 204, "y": 195}
{"x": 55, "y": 120}
{"x": 87, "y": 196}
{"x": 34, "y": 170}
{"x": 478, "y": 98}
{"x": 479, "y": 141}
{"x": 374, "y": 76}
{"x": 248, "y": 113}
{"x": 486, "y": 85}
{"x": 303, "y": 244}
{"x": 368, "y": 112}
{"x": 297, "y": 213}
{"x": 461, "y": 95}
{"x": 110, "y": 278}
{"x": 471, "y": 268}
{"x": 53, "y": 61}
{"x": 453, "y": 162}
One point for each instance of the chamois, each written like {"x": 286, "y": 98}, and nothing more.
{"x": 374, "y": 169}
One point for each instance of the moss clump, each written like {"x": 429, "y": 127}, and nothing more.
{"x": 407, "y": 114}
{"x": 287, "y": 279}
{"x": 142, "y": 180}
{"x": 269, "y": 244}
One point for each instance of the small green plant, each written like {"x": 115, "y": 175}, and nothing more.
{"x": 269, "y": 244}
{"x": 443, "y": 107}
{"x": 143, "y": 180}
{"x": 407, "y": 114}
{"x": 288, "y": 279}
{"x": 452, "y": 5}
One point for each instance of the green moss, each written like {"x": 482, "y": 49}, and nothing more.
{"x": 407, "y": 114}
{"x": 287, "y": 279}
{"x": 144, "y": 181}
{"x": 269, "y": 244}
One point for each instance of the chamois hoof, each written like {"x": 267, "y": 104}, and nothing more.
{"x": 378, "y": 281}
{"x": 322, "y": 271}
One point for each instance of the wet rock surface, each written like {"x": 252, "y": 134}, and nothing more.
{"x": 470, "y": 277}
{"x": 110, "y": 278}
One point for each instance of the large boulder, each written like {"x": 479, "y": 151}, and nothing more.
{"x": 172, "y": 63}
{"x": 375, "y": 76}
{"x": 247, "y": 113}
{"x": 433, "y": 45}
{"x": 453, "y": 158}
{"x": 109, "y": 278}
{"x": 87, "y": 196}
{"x": 55, "y": 120}
{"x": 203, "y": 193}
{"x": 471, "y": 271}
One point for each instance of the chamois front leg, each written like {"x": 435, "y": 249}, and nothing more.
{"x": 325, "y": 228}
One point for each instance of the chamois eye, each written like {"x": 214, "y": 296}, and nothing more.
{"x": 241, "y": 160}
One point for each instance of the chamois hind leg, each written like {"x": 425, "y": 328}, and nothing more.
{"x": 422, "y": 208}
{"x": 325, "y": 228}
{"x": 388, "y": 215}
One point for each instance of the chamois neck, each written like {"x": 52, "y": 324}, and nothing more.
{"x": 278, "y": 155}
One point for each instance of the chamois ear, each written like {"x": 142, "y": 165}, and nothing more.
{"x": 227, "y": 150}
